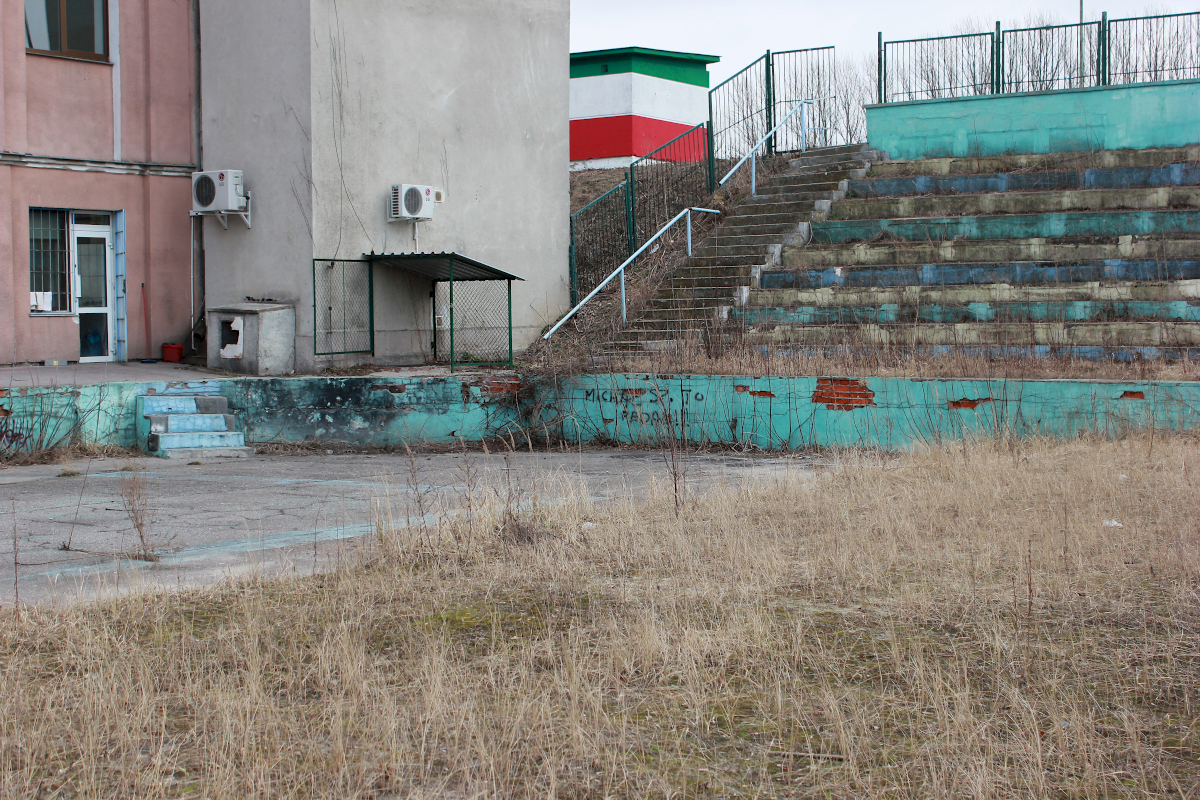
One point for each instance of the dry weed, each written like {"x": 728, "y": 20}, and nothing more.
{"x": 992, "y": 619}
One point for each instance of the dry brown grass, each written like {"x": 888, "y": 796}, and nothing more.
{"x": 955, "y": 623}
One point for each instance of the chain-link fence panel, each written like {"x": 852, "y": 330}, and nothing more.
{"x": 480, "y": 329}
{"x": 344, "y": 316}
{"x": 600, "y": 239}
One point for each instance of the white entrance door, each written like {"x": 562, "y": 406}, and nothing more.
{"x": 92, "y": 255}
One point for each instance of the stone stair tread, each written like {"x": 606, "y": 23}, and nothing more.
{"x": 199, "y": 453}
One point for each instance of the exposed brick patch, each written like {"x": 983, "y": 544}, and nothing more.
{"x": 967, "y": 403}
{"x": 1133, "y": 396}
{"x": 841, "y": 394}
{"x": 502, "y": 384}
{"x": 633, "y": 392}
{"x": 740, "y": 389}
{"x": 762, "y": 394}
{"x": 608, "y": 421}
{"x": 394, "y": 388}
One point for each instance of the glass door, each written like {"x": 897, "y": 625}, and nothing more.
{"x": 92, "y": 255}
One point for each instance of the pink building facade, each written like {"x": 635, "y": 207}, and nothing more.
{"x": 98, "y": 138}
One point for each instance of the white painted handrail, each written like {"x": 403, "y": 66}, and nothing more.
{"x": 687, "y": 212}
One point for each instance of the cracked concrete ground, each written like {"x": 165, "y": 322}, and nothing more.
{"x": 271, "y": 514}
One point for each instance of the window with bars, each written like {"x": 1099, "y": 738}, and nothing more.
{"x": 49, "y": 278}
{"x": 75, "y": 28}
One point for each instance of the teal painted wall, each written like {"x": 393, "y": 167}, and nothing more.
{"x": 1137, "y": 116}
{"x": 769, "y": 413}
{"x": 888, "y": 413}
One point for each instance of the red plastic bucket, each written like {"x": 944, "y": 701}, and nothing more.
{"x": 172, "y": 352}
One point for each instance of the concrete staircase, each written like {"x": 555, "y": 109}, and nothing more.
{"x": 189, "y": 426}
{"x": 696, "y": 300}
{"x": 1093, "y": 255}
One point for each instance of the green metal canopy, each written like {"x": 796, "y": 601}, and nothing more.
{"x": 441, "y": 266}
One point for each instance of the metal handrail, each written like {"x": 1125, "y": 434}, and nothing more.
{"x": 752, "y": 156}
{"x": 687, "y": 212}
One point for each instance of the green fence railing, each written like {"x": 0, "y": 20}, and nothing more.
{"x": 1050, "y": 57}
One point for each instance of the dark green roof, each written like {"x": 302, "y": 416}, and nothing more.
{"x": 673, "y": 66}
{"x": 441, "y": 266}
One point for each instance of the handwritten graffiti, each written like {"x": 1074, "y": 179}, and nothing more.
{"x": 9, "y": 436}
{"x": 649, "y": 395}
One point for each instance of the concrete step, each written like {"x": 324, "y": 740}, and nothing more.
{"x": 828, "y": 155}
{"x": 766, "y": 229}
{"x": 985, "y": 165}
{"x": 727, "y": 261}
{"x": 191, "y": 423}
{"x": 1017, "y": 334}
{"x": 773, "y": 206}
{"x": 157, "y": 442}
{"x": 1118, "y": 178}
{"x": 1108, "y": 271}
{"x": 758, "y": 240}
{"x": 1070, "y": 311}
{"x": 201, "y": 453}
{"x": 813, "y": 190}
{"x": 991, "y": 252}
{"x": 721, "y": 249}
{"x": 1040, "y": 202}
{"x": 1186, "y": 291}
{"x": 1011, "y": 226}
{"x": 855, "y": 169}
{"x": 741, "y": 220}
{"x": 183, "y": 404}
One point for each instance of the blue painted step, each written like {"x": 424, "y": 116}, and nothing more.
{"x": 158, "y": 442}
{"x": 194, "y": 426}
{"x": 1124, "y": 178}
{"x": 1010, "y": 226}
{"x": 191, "y": 423}
{"x": 968, "y": 274}
{"x": 1074, "y": 311}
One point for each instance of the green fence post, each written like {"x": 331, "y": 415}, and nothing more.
{"x": 451, "y": 262}
{"x": 371, "y": 302}
{"x": 571, "y": 266}
{"x": 997, "y": 59}
{"x": 510, "y": 339}
{"x": 881, "y": 65}
{"x": 631, "y": 216}
{"x": 1102, "y": 46}
{"x": 712, "y": 163}
{"x": 770, "y": 68}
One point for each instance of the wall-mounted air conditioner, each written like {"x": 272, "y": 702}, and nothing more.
{"x": 408, "y": 201}
{"x": 218, "y": 191}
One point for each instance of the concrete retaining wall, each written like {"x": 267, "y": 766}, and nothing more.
{"x": 770, "y": 413}
{"x": 1100, "y": 118}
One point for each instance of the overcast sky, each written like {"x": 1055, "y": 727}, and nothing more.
{"x": 741, "y": 30}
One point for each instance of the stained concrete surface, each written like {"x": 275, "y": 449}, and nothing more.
{"x": 275, "y": 514}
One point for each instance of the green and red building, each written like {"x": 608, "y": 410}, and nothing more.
{"x": 629, "y": 101}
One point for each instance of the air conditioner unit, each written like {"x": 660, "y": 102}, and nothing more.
{"x": 218, "y": 192}
{"x": 413, "y": 202}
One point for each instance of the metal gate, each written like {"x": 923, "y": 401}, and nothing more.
{"x": 343, "y": 306}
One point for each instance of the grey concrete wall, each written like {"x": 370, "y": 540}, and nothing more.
{"x": 257, "y": 117}
{"x": 471, "y": 96}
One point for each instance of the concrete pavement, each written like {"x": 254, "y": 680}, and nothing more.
{"x": 270, "y": 514}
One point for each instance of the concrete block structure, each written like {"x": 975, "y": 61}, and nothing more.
{"x": 1136, "y": 116}
{"x": 98, "y": 141}
{"x": 326, "y": 106}
{"x": 627, "y": 102}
